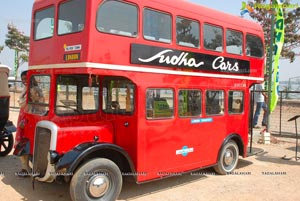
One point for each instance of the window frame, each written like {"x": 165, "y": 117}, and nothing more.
{"x": 179, "y": 105}
{"x": 105, "y": 101}
{"x": 242, "y": 106}
{"x": 114, "y": 31}
{"x": 149, "y": 110}
{"x": 199, "y": 33}
{"x": 222, "y": 111}
{"x": 246, "y": 45}
{"x": 152, "y": 38}
{"x": 203, "y": 37}
{"x": 79, "y": 99}
{"x": 46, "y": 102}
{"x": 242, "y": 40}
{"x": 35, "y": 25}
{"x": 58, "y": 19}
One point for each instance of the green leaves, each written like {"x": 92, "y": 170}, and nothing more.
{"x": 292, "y": 28}
{"x": 16, "y": 40}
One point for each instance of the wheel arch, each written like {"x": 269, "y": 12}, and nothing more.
{"x": 75, "y": 158}
{"x": 238, "y": 140}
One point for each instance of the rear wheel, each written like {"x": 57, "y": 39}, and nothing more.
{"x": 98, "y": 179}
{"x": 228, "y": 158}
{"x": 6, "y": 143}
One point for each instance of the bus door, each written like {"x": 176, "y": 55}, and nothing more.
{"x": 118, "y": 95}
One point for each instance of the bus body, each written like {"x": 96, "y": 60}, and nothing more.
{"x": 146, "y": 88}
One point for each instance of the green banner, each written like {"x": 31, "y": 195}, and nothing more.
{"x": 278, "y": 43}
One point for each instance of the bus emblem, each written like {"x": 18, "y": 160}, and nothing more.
{"x": 184, "y": 151}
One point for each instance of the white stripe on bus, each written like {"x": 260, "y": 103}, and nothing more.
{"x": 140, "y": 69}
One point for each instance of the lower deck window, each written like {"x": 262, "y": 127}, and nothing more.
{"x": 189, "y": 103}
{"x": 39, "y": 90}
{"x": 159, "y": 103}
{"x": 118, "y": 95}
{"x": 235, "y": 102}
{"x": 214, "y": 102}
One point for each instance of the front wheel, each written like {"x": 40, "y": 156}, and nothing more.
{"x": 98, "y": 179}
{"x": 228, "y": 158}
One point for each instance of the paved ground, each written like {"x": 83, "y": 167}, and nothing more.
{"x": 265, "y": 176}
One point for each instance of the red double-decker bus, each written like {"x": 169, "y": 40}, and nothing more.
{"x": 146, "y": 88}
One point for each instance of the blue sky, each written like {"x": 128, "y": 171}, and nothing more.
{"x": 18, "y": 12}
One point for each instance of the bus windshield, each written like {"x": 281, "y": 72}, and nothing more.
{"x": 71, "y": 17}
{"x": 77, "y": 94}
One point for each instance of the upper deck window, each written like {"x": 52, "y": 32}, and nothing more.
{"x": 71, "y": 16}
{"x": 117, "y": 18}
{"x": 44, "y": 23}
{"x": 187, "y": 32}
{"x": 254, "y": 46}
{"x": 234, "y": 42}
{"x": 213, "y": 37}
{"x": 157, "y": 26}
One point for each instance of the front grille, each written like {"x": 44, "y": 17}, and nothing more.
{"x": 41, "y": 149}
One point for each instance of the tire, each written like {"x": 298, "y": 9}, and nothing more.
{"x": 104, "y": 174}
{"x": 228, "y": 158}
{"x": 6, "y": 143}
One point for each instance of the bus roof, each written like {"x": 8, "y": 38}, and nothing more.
{"x": 189, "y": 7}
{"x": 214, "y": 14}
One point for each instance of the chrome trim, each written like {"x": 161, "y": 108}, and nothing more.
{"x": 50, "y": 173}
{"x": 53, "y": 128}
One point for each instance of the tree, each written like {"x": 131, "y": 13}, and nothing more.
{"x": 292, "y": 26}
{"x": 17, "y": 41}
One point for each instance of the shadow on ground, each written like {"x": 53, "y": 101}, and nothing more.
{"x": 265, "y": 157}
{"x": 60, "y": 192}
{"x": 10, "y": 164}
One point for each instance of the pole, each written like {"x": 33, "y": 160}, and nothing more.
{"x": 270, "y": 62}
{"x": 251, "y": 118}
{"x": 296, "y": 157}
{"x": 16, "y": 64}
{"x": 280, "y": 113}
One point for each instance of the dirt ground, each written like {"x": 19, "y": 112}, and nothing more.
{"x": 264, "y": 176}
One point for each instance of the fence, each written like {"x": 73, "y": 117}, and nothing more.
{"x": 286, "y": 109}
{"x": 15, "y": 89}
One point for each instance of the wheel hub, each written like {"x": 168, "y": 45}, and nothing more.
{"x": 98, "y": 185}
{"x": 228, "y": 157}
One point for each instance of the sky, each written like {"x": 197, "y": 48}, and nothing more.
{"x": 18, "y": 12}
